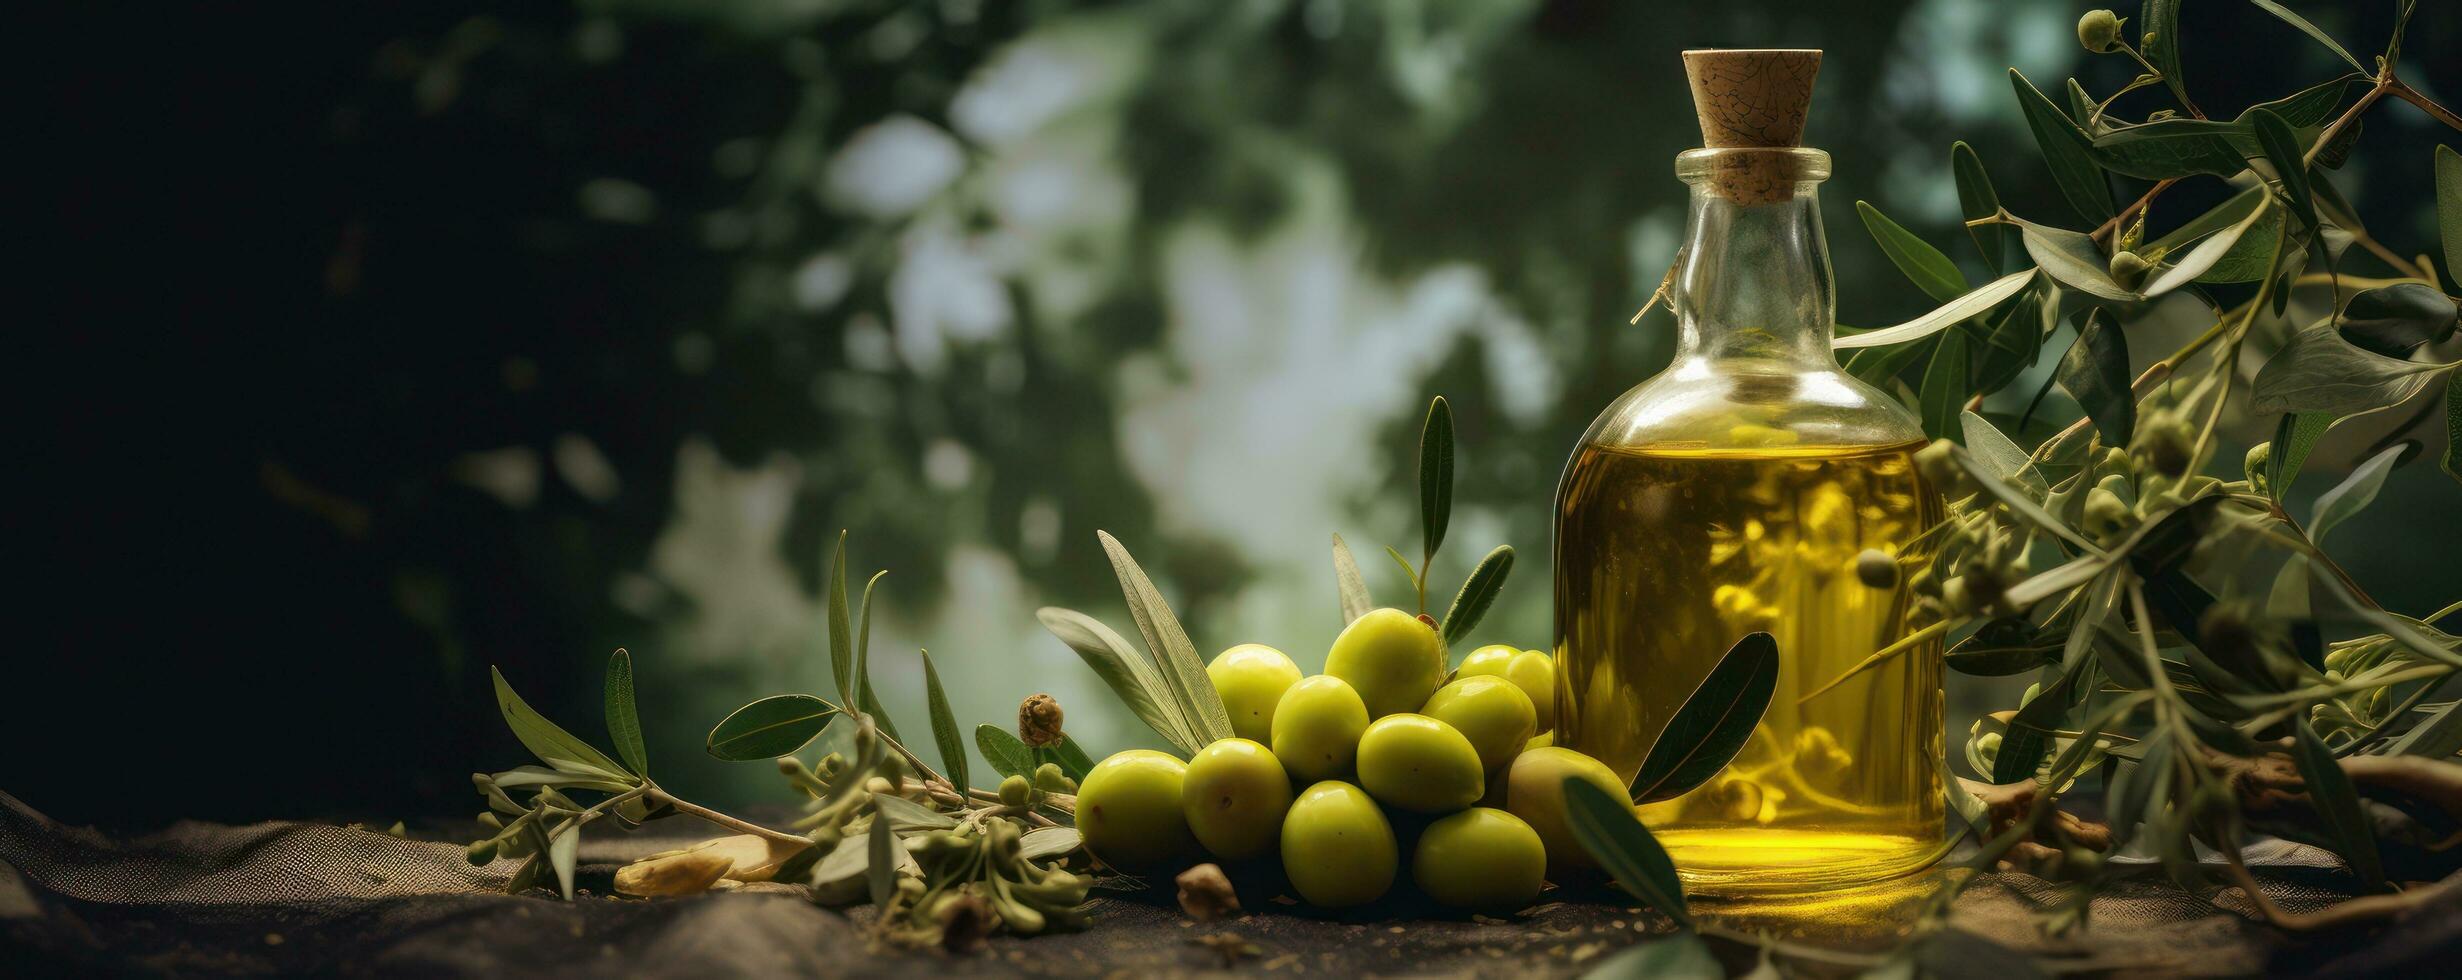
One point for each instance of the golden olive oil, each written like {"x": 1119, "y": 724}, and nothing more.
{"x": 1666, "y": 555}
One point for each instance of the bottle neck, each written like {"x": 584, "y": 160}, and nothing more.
{"x": 1753, "y": 281}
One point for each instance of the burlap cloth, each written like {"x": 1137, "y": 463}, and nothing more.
{"x": 287, "y": 897}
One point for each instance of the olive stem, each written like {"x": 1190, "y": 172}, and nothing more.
{"x": 737, "y": 824}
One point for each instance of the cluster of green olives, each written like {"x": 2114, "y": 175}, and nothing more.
{"x": 1324, "y": 769}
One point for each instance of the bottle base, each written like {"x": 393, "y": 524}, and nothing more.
{"x": 1766, "y": 861}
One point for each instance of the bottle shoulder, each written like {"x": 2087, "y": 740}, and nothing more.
{"x": 1711, "y": 404}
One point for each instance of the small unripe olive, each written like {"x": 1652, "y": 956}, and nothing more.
{"x": 1050, "y": 779}
{"x": 1876, "y": 569}
{"x": 1016, "y": 790}
{"x": 2099, "y": 31}
{"x": 2128, "y": 268}
{"x": 2260, "y": 460}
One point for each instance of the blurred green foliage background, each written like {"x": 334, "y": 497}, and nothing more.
{"x": 523, "y": 331}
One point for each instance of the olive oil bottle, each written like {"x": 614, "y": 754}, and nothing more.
{"x": 1733, "y": 493}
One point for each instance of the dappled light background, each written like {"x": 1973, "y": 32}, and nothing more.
{"x": 591, "y": 325}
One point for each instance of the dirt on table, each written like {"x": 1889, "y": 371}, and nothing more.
{"x": 293, "y": 897}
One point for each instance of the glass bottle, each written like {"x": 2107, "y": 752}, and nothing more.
{"x": 1733, "y": 492}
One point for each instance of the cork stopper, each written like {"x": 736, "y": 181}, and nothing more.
{"x": 1752, "y": 98}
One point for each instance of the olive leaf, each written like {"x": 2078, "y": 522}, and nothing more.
{"x": 2295, "y": 20}
{"x": 2178, "y": 147}
{"x": 1131, "y": 675}
{"x": 2337, "y": 805}
{"x": 2392, "y": 321}
{"x": 1074, "y": 763}
{"x": 2318, "y": 371}
{"x": 1002, "y": 748}
{"x": 1950, "y": 314}
{"x": 881, "y": 869}
{"x": 1183, "y": 674}
{"x": 1683, "y": 956}
{"x": 1923, "y": 265}
{"x": 2158, "y": 24}
{"x": 944, "y": 726}
{"x": 1356, "y": 601}
{"x": 623, "y": 717}
{"x": 2005, "y": 646}
{"x": 863, "y": 659}
{"x": 841, "y": 626}
{"x": 1714, "y": 722}
{"x": 2029, "y": 738}
{"x": 2353, "y": 494}
{"x": 2282, "y": 150}
{"x": 1478, "y": 593}
{"x": 771, "y": 727}
{"x": 2066, "y": 150}
{"x": 1605, "y": 826}
{"x": 2452, "y": 463}
{"x": 1879, "y": 366}
{"x": 1049, "y": 842}
{"x": 1999, "y": 452}
{"x": 2437, "y": 736}
{"x": 1977, "y": 201}
{"x": 550, "y": 743}
{"x": 904, "y": 814}
{"x": 2294, "y": 437}
{"x": 563, "y": 853}
{"x": 2095, "y": 371}
{"x": 2010, "y": 343}
{"x": 2449, "y": 209}
{"x": 2072, "y": 259}
{"x": 1435, "y": 479}
{"x": 1944, "y": 386}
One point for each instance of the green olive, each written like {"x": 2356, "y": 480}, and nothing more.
{"x": 1489, "y": 659}
{"x": 1317, "y": 727}
{"x": 1536, "y": 794}
{"x": 1534, "y": 671}
{"x": 1490, "y": 711}
{"x": 1418, "y": 763}
{"x": 1234, "y": 799}
{"x": 1251, "y": 678}
{"x": 1128, "y": 811}
{"x": 1391, "y": 658}
{"x": 1480, "y": 859}
{"x": 1337, "y": 848}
